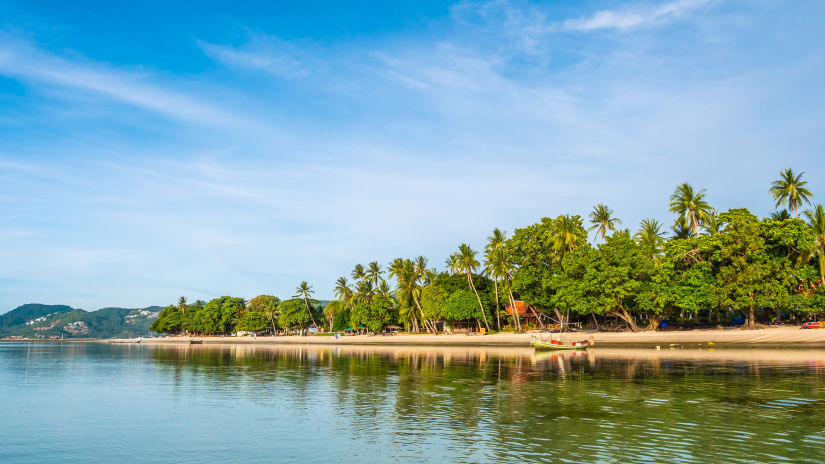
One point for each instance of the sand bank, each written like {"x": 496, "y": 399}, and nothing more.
{"x": 773, "y": 336}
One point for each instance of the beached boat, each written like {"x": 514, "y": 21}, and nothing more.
{"x": 126, "y": 341}
{"x": 195, "y": 342}
{"x": 558, "y": 344}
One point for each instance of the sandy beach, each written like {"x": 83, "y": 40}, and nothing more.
{"x": 773, "y": 336}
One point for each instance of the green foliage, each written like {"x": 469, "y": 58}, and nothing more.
{"x": 461, "y": 305}
{"x": 292, "y": 314}
{"x": 433, "y": 300}
{"x": 373, "y": 315}
{"x": 252, "y": 321}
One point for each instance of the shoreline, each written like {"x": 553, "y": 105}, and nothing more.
{"x": 767, "y": 337}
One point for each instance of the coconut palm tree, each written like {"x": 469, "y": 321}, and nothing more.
{"x": 384, "y": 289}
{"x": 343, "y": 291}
{"x": 690, "y": 206}
{"x": 374, "y": 273}
{"x": 780, "y": 215}
{"x": 680, "y": 231}
{"x": 425, "y": 275}
{"x": 568, "y": 233}
{"x": 651, "y": 237}
{"x": 468, "y": 264}
{"x": 602, "y": 219}
{"x": 453, "y": 266}
{"x": 713, "y": 225}
{"x": 495, "y": 265}
{"x": 790, "y": 189}
{"x": 304, "y": 290}
{"x": 395, "y": 267}
{"x": 358, "y": 273}
{"x": 409, "y": 290}
{"x": 816, "y": 220}
{"x": 182, "y": 305}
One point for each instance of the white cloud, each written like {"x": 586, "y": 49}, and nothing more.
{"x": 271, "y": 55}
{"x": 630, "y": 18}
{"x": 23, "y": 61}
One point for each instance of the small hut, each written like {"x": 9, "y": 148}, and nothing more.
{"x": 526, "y": 313}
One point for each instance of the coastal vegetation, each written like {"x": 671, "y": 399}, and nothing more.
{"x": 714, "y": 267}
{"x": 60, "y": 321}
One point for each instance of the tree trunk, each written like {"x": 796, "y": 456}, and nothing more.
{"x": 515, "y": 311}
{"x": 423, "y": 319}
{"x": 470, "y": 280}
{"x": 654, "y": 323}
{"x": 822, "y": 265}
{"x": 751, "y": 318}
{"x": 595, "y": 322}
{"x": 498, "y": 318}
{"x": 538, "y": 319}
{"x": 308, "y": 311}
{"x": 625, "y": 316}
{"x": 559, "y": 318}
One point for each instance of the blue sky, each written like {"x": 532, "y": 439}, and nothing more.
{"x": 150, "y": 149}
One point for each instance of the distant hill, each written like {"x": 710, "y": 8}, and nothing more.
{"x": 60, "y": 321}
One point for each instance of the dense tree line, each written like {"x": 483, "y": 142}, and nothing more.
{"x": 713, "y": 267}
{"x": 227, "y": 315}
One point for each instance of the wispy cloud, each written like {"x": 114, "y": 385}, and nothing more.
{"x": 269, "y": 55}
{"x": 22, "y": 60}
{"x": 401, "y": 146}
{"x": 633, "y": 17}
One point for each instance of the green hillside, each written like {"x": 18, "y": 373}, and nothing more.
{"x": 60, "y": 321}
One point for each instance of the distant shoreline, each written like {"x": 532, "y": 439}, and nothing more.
{"x": 773, "y": 336}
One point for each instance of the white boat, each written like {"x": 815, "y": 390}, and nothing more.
{"x": 558, "y": 344}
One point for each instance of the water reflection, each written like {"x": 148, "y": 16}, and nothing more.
{"x": 372, "y": 404}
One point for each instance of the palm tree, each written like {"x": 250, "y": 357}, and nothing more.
{"x": 816, "y": 220}
{"x": 680, "y": 231}
{"x": 305, "y": 290}
{"x": 374, "y": 273}
{"x": 690, "y": 206}
{"x": 790, "y": 189}
{"x": 182, "y": 305}
{"x": 495, "y": 265}
{"x": 384, "y": 289}
{"x": 395, "y": 267}
{"x": 358, "y": 273}
{"x": 408, "y": 277}
{"x": 420, "y": 265}
{"x": 713, "y": 225}
{"x": 468, "y": 262}
{"x": 568, "y": 233}
{"x": 602, "y": 219}
{"x": 343, "y": 291}
{"x": 453, "y": 266}
{"x": 780, "y": 215}
{"x": 651, "y": 237}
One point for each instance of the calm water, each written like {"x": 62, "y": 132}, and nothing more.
{"x": 249, "y": 404}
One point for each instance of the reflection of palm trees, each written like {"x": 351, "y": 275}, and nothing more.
{"x": 790, "y": 189}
